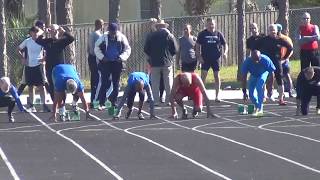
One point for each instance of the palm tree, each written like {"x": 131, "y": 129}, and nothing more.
{"x": 114, "y": 11}
{"x": 44, "y": 13}
{"x": 283, "y": 18}
{"x": 3, "y": 59}
{"x": 241, "y": 34}
{"x": 64, "y": 16}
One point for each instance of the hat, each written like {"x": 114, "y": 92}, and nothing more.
{"x": 279, "y": 27}
{"x": 39, "y": 24}
{"x": 113, "y": 27}
{"x": 161, "y": 23}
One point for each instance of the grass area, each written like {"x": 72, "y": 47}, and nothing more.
{"x": 228, "y": 76}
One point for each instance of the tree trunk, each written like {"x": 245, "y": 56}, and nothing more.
{"x": 241, "y": 35}
{"x": 3, "y": 57}
{"x": 156, "y": 9}
{"x": 65, "y": 17}
{"x": 283, "y": 18}
{"x": 114, "y": 11}
{"x": 44, "y": 13}
{"x": 14, "y": 9}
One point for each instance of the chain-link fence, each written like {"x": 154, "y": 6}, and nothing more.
{"x": 136, "y": 32}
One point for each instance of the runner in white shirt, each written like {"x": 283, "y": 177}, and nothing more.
{"x": 32, "y": 57}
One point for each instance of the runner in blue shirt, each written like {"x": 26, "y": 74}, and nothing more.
{"x": 259, "y": 66}
{"x": 137, "y": 82}
{"x": 9, "y": 96}
{"x": 66, "y": 80}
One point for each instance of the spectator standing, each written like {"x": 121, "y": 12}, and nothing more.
{"x": 92, "y": 59}
{"x": 209, "y": 50}
{"x": 112, "y": 50}
{"x": 308, "y": 38}
{"x": 186, "y": 56}
{"x": 161, "y": 46}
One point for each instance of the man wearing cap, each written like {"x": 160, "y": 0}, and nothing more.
{"x": 308, "y": 85}
{"x": 92, "y": 59}
{"x": 66, "y": 80}
{"x": 112, "y": 50}
{"x": 9, "y": 96}
{"x": 160, "y": 47}
{"x": 308, "y": 37}
{"x": 54, "y": 47}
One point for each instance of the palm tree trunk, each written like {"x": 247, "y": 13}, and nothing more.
{"x": 44, "y": 13}
{"x": 114, "y": 11}
{"x": 3, "y": 57}
{"x": 283, "y": 18}
{"x": 156, "y": 9}
{"x": 241, "y": 35}
{"x": 64, "y": 9}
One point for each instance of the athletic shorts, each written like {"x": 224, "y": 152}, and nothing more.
{"x": 215, "y": 65}
{"x": 285, "y": 68}
{"x": 34, "y": 76}
{"x": 195, "y": 94}
{"x": 189, "y": 67}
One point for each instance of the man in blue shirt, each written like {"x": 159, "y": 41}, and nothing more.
{"x": 259, "y": 66}
{"x": 66, "y": 80}
{"x": 137, "y": 82}
{"x": 9, "y": 96}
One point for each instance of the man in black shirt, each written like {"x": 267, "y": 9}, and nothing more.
{"x": 251, "y": 42}
{"x": 308, "y": 85}
{"x": 271, "y": 46}
{"x": 54, "y": 48}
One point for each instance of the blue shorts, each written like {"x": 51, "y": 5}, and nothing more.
{"x": 215, "y": 65}
{"x": 286, "y": 67}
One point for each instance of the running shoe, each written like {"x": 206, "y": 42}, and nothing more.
{"x": 140, "y": 116}
{"x": 128, "y": 113}
{"x": 11, "y": 119}
{"x": 258, "y": 113}
{"x": 184, "y": 113}
{"x": 282, "y": 103}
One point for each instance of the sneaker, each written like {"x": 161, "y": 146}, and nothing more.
{"x": 45, "y": 108}
{"x": 282, "y": 103}
{"x": 217, "y": 100}
{"x": 140, "y": 116}
{"x": 32, "y": 109}
{"x": 184, "y": 113}
{"x": 11, "y": 119}
{"x": 101, "y": 108}
{"x": 258, "y": 113}
{"x": 195, "y": 114}
{"x": 62, "y": 117}
{"x": 272, "y": 99}
{"x": 128, "y": 113}
{"x": 75, "y": 108}
{"x": 318, "y": 111}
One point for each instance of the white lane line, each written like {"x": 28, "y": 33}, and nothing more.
{"x": 80, "y": 147}
{"x": 295, "y": 126}
{"x": 33, "y": 126}
{"x": 23, "y": 131}
{"x": 11, "y": 169}
{"x": 166, "y": 148}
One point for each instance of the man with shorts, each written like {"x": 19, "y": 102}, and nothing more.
{"x": 308, "y": 85}
{"x": 308, "y": 37}
{"x": 208, "y": 51}
{"x": 9, "y": 97}
{"x": 271, "y": 46}
{"x": 191, "y": 85}
{"x": 66, "y": 80}
{"x": 31, "y": 55}
{"x": 186, "y": 56}
{"x": 259, "y": 66}
{"x": 138, "y": 82}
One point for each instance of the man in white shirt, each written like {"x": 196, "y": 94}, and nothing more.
{"x": 31, "y": 55}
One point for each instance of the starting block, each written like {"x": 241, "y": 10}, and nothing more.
{"x": 244, "y": 109}
{"x": 112, "y": 111}
{"x": 95, "y": 104}
{"x": 73, "y": 115}
{"x": 107, "y": 104}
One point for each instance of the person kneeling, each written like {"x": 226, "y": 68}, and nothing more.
{"x": 137, "y": 82}
{"x": 308, "y": 85}
{"x": 191, "y": 85}
{"x": 66, "y": 80}
{"x": 7, "y": 100}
